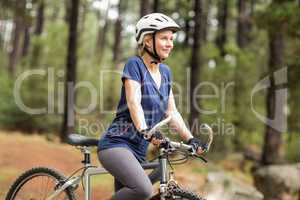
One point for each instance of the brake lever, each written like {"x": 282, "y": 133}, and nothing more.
{"x": 201, "y": 157}
{"x": 194, "y": 154}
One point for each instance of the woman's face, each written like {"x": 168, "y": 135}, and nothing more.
{"x": 164, "y": 43}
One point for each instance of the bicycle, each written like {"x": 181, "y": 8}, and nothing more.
{"x": 57, "y": 185}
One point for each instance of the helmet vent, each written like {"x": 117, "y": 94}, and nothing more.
{"x": 165, "y": 18}
{"x": 153, "y": 25}
{"x": 158, "y": 19}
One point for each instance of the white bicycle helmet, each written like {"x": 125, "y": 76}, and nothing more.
{"x": 152, "y": 23}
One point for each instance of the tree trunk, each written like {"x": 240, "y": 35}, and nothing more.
{"x": 67, "y": 10}
{"x": 222, "y": 26}
{"x": 273, "y": 137}
{"x": 82, "y": 16}
{"x": 118, "y": 34}
{"x": 116, "y": 53}
{"x": 252, "y": 6}
{"x": 55, "y": 12}
{"x": 244, "y": 24}
{"x": 26, "y": 41}
{"x": 2, "y": 30}
{"x": 187, "y": 30}
{"x": 145, "y": 7}
{"x": 101, "y": 38}
{"x": 156, "y": 6}
{"x": 69, "y": 115}
{"x": 242, "y": 39}
{"x": 14, "y": 54}
{"x": 39, "y": 26}
{"x": 40, "y": 19}
{"x": 195, "y": 62}
{"x": 118, "y": 40}
{"x": 205, "y": 20}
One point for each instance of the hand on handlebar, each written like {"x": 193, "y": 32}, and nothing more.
{"x": 197, "y": 145}
{"x": 156, "y": 138}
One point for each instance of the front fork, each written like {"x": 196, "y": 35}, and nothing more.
{"x": 167, "y": 176}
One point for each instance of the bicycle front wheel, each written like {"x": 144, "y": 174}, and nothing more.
{"x": 38, "y": 184}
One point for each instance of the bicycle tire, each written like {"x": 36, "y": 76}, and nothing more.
{"x": 179, "y": 194}
{"x": 36, "y": 176}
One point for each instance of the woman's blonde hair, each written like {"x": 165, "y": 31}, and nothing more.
{"x": 141, "y": 46}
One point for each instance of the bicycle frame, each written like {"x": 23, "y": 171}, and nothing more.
{"x": 92, "y": 171}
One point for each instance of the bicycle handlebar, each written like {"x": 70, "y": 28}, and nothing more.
{"x": 180, "y": 145}
{"x": 160, "y": 124}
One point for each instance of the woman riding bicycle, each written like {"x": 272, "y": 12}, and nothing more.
{"x": 146, "y": 98}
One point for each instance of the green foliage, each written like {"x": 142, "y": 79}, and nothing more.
{"x": 11, "y": 108}
{"x": 284, "y": 12}
{"x": 9, "y": 111}
{"x": 293, "y": 64}
{"x": 292, "y": 147}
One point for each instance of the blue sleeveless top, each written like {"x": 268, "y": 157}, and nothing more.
{"x": 154, "y": 101}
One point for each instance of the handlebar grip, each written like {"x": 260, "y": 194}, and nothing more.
{"x": 160, "y": 124}
{"x": 148, "y": 134}
{"x": 210, "y": 137}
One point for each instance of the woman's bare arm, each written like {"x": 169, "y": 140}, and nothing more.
{"x": 177, "y": 121}
{"x": 133, "y": 97}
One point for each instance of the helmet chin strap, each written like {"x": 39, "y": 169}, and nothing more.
{"x": 154, "y": 54}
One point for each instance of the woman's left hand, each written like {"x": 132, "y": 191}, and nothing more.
{"x": 200, "y": 151}
{"x": 197, "y": 145}
{"x": 156, "y": 142}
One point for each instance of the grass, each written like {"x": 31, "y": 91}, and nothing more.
{"x": 7, "y": 173}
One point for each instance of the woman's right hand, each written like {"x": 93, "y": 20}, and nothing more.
{"x": 156, "y": 142}
{"x": 156, "y": 138}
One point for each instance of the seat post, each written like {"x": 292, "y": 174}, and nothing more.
{"x": 86, "y": 156}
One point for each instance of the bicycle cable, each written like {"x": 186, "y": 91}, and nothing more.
{"x": 82, "y": 175}
{"x": 182, "y": 160}
{"x": 171, "y": 162}
{"x": 69, "y": 177}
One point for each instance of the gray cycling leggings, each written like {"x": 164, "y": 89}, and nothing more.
{"x": 132, "y": 182}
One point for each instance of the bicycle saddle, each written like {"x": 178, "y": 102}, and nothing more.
{"x": 80, "y": 140}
